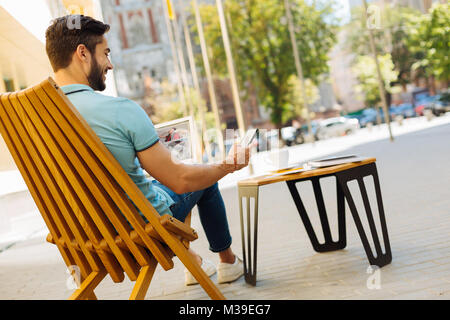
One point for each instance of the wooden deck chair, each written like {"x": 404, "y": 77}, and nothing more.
{"x": 81, "y": 192}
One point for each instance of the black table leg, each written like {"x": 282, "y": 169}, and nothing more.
{"x": 329, "y": 244}
{"x": 381, "y": 259}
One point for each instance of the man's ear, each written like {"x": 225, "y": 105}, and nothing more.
{"x": 83, "y": 53}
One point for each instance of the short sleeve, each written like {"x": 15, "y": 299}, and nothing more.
{"x": 136, "y": 125}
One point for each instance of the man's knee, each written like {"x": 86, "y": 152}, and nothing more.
{"x": 211, "y": 191}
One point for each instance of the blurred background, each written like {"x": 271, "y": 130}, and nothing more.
{"x": 302, "y": 69}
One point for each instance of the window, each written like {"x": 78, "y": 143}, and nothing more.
{"x": 9, "y": 85}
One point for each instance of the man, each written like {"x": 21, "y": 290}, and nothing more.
{"x": 79, "y": 55}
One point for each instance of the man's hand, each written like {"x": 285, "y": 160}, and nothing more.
{"x": 238, "y": 157}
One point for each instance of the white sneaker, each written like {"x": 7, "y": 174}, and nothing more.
{"x": 207, "y": 266}
{"x": 227, "y": 272}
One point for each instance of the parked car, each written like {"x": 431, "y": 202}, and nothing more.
{"x": 368, "y": 116}
{"x": 420, "y": 96}
{"x": 314, "y": 127}
{"x": 335, "y": 127}
{"x": 292, "y": 136}
{"x": 423, "y": 102}
{"x": 406, "y": 110}
{"x": 441, "y": 104}
{"x": 419, "y": 110}
{"x": 355, "y": 116}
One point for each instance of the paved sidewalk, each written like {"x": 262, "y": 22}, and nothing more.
{"x": 414, "y": 176}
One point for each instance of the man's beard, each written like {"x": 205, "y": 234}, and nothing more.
{"x": 95, "y": 77}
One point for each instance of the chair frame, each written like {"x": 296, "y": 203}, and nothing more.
{"x": 88, "y": 202}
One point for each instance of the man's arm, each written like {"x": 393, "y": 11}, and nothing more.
{"x": 181, "y": 178}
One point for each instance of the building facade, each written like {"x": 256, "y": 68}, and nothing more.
{"x": 139, "y": 44}
{"x": 343, "y": 80}
{"x": 23, "y": 63}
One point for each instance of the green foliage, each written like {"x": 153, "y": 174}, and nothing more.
{"x": 199, "y": 104}
{"x": 417, "y": 42}
{"x": 429, "y": 36}
{"x": 261, "y": 45}
{"x": 391, "y": 36}
{"x": 296, "y": 104}
{"x": 366, "y": 73}
{"x": 166, "y": 106}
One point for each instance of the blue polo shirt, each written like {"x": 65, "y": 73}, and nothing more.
{"x": 124, "y": 127}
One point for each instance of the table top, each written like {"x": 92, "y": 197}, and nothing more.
{"x": 275, "y": 177}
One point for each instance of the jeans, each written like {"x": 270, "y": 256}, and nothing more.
{"x": 211, "y": 210}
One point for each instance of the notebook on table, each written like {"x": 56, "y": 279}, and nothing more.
{"x": 333, "y": 161}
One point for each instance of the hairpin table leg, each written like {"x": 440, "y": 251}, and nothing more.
{"x": 329, "y": 244}
{"x": 381, "y": 259}
{"x": 249, "y": 253}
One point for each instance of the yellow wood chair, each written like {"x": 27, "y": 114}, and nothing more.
{"x": 81, "y": 192}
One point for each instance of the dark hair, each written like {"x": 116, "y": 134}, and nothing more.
{"x": 66, "y": 33}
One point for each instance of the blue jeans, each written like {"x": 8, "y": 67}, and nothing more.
{"x": 211, "y": 210}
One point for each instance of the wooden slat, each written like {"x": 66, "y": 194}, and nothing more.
{"x": 178, "y": 227}
{"x": 143, "y": 281}
{"x": 187, "y": 221}
{"x": 29, "y": 176}
{"x": 87, "y": 287}
{"x": 187, "y": 234}
{"x": 67, "y": 217}
{"x": 71, "y": 216}
{"x": 105, "y": 204}
{"x": 83, "y": 201}
{"x": 124, "y": 181}
{"x": 119, "y": 175}
{"x": 26, "y": 108}
{"x": 92, "y": 174}
{"x": 31, "y": 156}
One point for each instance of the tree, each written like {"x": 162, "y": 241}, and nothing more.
{"x": 391, "y": 36}
{"x": 365, "y": 71}
{"x": 166, "y": 106}
{"x": 429, "y": 36}
{"x": 296, "y": 104}
{"x": 262, "y": 49}
{"x": 163, "y": 103}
